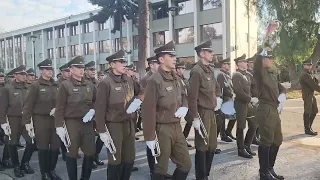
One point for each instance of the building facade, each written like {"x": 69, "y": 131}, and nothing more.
{"x": 227, "y": 23}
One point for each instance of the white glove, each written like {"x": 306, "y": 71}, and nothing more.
{"x": 181, "y": 112}
{"x": 134, "y": 106}
{"x": 196, "y": 124}
{"x": 88, "y": 117}
{"x": 280, "y": 107}
{"x": 6, "y": 128}
{"x": 219, "y": 103}
{"x": 61, "y": 133}
{"x": 151, "y": 145}
{"x": 282, "y": 98}
{"x": 104, "y": 138}
{"x": 254, "y": 100}
{"x": 52, "y": 111}
{"x": 29, "y": 127}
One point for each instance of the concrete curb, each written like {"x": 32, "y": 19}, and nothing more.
{"x": 4, "y": 176}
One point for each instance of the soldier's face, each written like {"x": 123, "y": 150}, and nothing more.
{"x": 154, "y": 66}
{"x": 31, "y": 77}
{"x": 169, "y": 61}
{"x": 47, "y": 73}
{"x": 91, "y": 73}
{"x": 267, "y": 62}
{"x": 20, "y": 77}
{"x": 181, "y": 71}
{"x": 207, "y": 55}
{"x": 250, "y": 65}
{"x": 243, "y": 65}
{"x": 77, "y": 71}
{"x": 226, "y": 67}
{"x": 307, "y": 67}
{"x": 66, "y": 74}
{"x": 119, "y": 67}
{"x": 101, "y": 77}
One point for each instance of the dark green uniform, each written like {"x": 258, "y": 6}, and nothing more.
{"x": 267, "y": 117}
{"x": 40, "y": 100}
{"x": 11, "y": 100}
{"x": 309, "y": 84}
{"x": 74, "y": 100}
{"x": 115, "y": 95}
{"x": 202, "y": 100}
{"x": 5, "y": 155}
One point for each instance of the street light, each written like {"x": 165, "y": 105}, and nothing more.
{"x": 33, "y": 39}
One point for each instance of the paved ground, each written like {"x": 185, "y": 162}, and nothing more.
{"x": 299, "y": 155}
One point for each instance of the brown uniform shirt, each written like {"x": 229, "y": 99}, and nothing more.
{"x": 309, "y": 83}
{"x": 225, "y": 84}
{"x": 11, "y": 100}
{"x": 242, "y": 86}
{"x": 114, "y": 95}
{"x": 203, "y": 89}
{"x": 269, "y": 88}
{"x": 254, "y": 90}
{"x": 163, "y": 97}
{"x": 74, "y": 100}
{"x": 144, "y": 80}
{"x": 40, "y": 99}
{"x": 60, "y": 80}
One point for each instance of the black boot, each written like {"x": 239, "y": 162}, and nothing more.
{"x": 113, "y": 172}
{"x": 256, "y": 140}
{"x": 86, "y": 167}
{"x": 312, "y": 117}
{"x": 2, "y": 168}
{"x": 53, "y": 163}
{"x": 240, "y": 143}
{"x": 168, "y": 176}
{"x": 156, "y": 176}
{"x": 151, "y": 162}
{"x": 13, "y": 150}
{"x": 200, "y": 165}
{"x": 306, "y": 122}
{"x": 217, "y": 151}
{"x": 44, "y": 164}
{"x": 179, "y": 175}
{"x": 263, "y": 153}
{"x": 273, "y": 152}
{"x": 229, "y": 129}
{"x": 248, "y": 149}
{"x": 225, "y": 138}
{"x": 209, "y": 159}
{"x": 99, "y": 145}
{"x": 26, "y": 158}
{"x": 72, "y": 167}
{"x": 6, "y": 161}
{"x": 135, "y": 169}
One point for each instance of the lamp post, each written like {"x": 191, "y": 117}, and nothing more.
{"x": 173, "y": 10}
{"x": 33, "y": 39}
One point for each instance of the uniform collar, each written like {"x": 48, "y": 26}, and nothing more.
{"x": 47, "y": 82}
{"x": 242, "y": 71}
{"x": 118, "y": 79}
{"x": 20, "y": 85}
{"x": 169, "y": 76}
{"x": 226, "y": 72}
{"x": 78, "y": 83}
{"x": 206, "y": 68}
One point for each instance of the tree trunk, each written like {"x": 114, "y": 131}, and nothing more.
{"x": 315, "y": 56}
{"x": 294, "y": 76}
{"x": 143, "y": 35}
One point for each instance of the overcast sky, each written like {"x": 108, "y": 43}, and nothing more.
{"x": 16, "y": 14}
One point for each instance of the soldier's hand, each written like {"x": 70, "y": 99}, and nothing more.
{"x": 29, "y": 127}
{"x": 151, "y": 145}
{"x": 219, "y": 103}
{"x": 134, "y": 106}
{"x": 104, "y": 138}
{"x": 254, "y": 100}
{"x": 6, "y": 128}
{"x": 282, "y": 98}
{"x": 196, "y": 123}
{"x": 52, "y": 111}
{"x": 181, "y": 112}
{"x": 61, "y": 133}
{"x": 88, "y": 117}
{"x": 280, "y": 107}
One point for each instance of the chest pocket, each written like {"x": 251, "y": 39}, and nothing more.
{"x": 44, "y": 94}
{"x": 75, "y": 95}
{"x": 207, "y": 83}
{"x": 16, "y": 97}
{"x": 170, "y": 95}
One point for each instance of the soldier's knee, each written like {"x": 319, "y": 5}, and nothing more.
{"x": 187, "y": 165}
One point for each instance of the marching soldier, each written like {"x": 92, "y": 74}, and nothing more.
{"x": 204, "y": 94}
{"x": 115, "y": 94}
{"x": 243, "y": 104}
{"x": 74, "y": 113}
{"x": 254, "y": 93}
{"x": 100, "y": 76}
{"x": 11, "y": 100}
{"x": 38, "y": 111}
{"x": 31, "y": 76}
{"x": 10, "y": 77}
{"x": 59, "y": 75}
{"x": 309, "y": 84}
{"x": 270, "y": 94}
{"x": 225, "y": 84}
{"x": 90, "y": 73}
{"x": 180, "y": 68}
{"x": 164, "y": 104}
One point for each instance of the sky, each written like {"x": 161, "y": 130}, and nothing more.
{"x": 16, "y": 14}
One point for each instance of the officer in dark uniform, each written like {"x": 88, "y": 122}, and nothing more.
{"x": 11, "y": 100}
{"x": 2, "y": 84}
{"x": 31, "y": 76}
{"x": 309, "y": 84}
{"x": 39, "y": 109}
{"x": 90, "y": 73}
{"x": 10, "y": 76}
{"x": 270, "y": 92}
{"x": 75, "y": 110}
{"x": 116, "y": 92}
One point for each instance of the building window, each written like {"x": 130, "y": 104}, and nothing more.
{"x": 160, "y": 38}
{"x": 73, "y": 30}
{"x": 211, "y": 31}
{"x": 74, "y": 50}
{"x": 185, "y": 7}
{"x": 88, "y": 48}
{"x": 188, "y": 61}
{"x": 160, "y": 11}
{"x": 185, "y": 35}
{"x": 62, "y": 52}
{"x": 104, "y": 46}
{"x": 209, "y": 4}
{"x": 102, "y": 26}
{"x": 116, "y": 44}
{"x": 88, "y": 27}
{"x": 60, "y": 33}
{"x": 135, "y": 42}
{"x": 50, "y": 53}
{"x": 50, "y": 34}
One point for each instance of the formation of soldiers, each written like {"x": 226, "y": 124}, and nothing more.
{"x": 69, "y": 113}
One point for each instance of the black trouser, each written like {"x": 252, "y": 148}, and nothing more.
{"x": 221, "y": 123}
{"x": 150, "y": 160}
{"x": 187, "y": 129}
{"x": 252, "y": 127}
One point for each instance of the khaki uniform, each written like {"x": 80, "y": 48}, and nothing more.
{"x": 309, "y": 84}
{"x": 163, "y": 97}
{"x": 74, "y": 100}
{"x": 40, "y": 100}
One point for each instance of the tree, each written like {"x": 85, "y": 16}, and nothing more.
{"x": 116, "y": 9}
{"x": 299, "y": 31}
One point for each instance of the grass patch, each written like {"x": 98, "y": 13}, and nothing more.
{"x": 295, "y": 94}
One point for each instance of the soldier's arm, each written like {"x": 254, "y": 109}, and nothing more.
{"x": 94, "y": 98}
{"x": 29, "y": 103}
{"x": 103, "y": 92}
{"x": 221, "y": 81}
{"x": 61, "y": 103}
{"x": 149, "y": 110}
{"x": 194, "y": 83}
{"x": 238, "y": 89}
{"x": 218, "y": 89}
{"x": 184, "y": 100}
{"x": 138, "y": 90}
{"x": 4, "y": 104}
{"x": 313, "y": 85}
